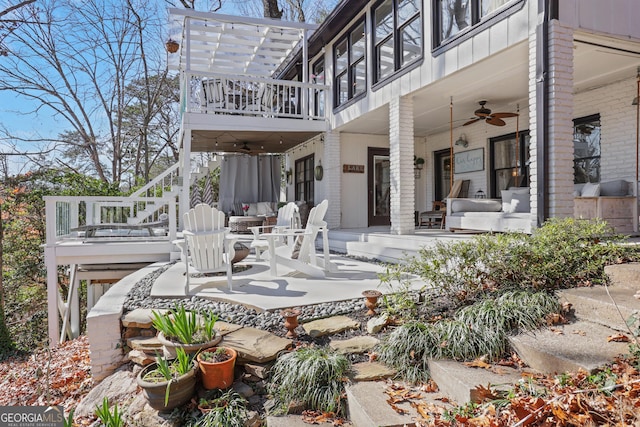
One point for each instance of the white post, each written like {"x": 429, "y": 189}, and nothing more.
{"x": 52, "y": 294}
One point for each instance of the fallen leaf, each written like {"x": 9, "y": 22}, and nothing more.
{"x": 618, "y": 338}
{"x": 579, "y": 332}
{"x": 477, "y": 363}
{"x": 556, "y": 331}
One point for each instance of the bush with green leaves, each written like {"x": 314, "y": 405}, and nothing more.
{"x": 480, "y": 329}
{"x": 312, "y": 376}
{"x": 563, "y": 253}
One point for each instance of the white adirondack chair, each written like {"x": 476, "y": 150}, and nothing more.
{"x": 302, "y": 256}
{"x": 207, "y": 246}
{"x": 288, "y": 218}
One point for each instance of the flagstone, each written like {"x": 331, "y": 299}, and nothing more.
{"x": 329, "y": 326}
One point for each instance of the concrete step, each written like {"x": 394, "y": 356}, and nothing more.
{"x": 624, "y": 275}
{"x": 368, "y": 406}
{"x": 595, "y": 304}
{"x": 292, "y": 421}
{"x": 459, "y": 381}
{"x": 382, "y": 253}
{"x": 568, "y": 348}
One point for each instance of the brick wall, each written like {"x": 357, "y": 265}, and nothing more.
{"x": 333, "y": 178}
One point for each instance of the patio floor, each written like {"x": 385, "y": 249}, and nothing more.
{"x": 256, "y": 287}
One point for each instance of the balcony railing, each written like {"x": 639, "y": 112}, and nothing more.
{"x": 253, "y": 96}
{"x": 110, "y": 218}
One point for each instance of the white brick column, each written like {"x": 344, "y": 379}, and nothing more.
{"x": 332, "y": 178}
{"x": 533, "y": 130}
{"x": 401, "y": 153}
{"x": 560, "y": 157}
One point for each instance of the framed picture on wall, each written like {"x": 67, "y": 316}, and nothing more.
{"x": 469, "y": 161}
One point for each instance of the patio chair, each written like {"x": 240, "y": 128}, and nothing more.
{"x": 206, "y": 247}
{"x": 438, "y": 212}
{"x": 263, "y": 99}
{"x": 288, "y": 218}
{"x": 301, "y": 256}
{"x": 215, "y": 94}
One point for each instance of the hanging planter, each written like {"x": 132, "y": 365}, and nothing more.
{"x": 172, "y": 46}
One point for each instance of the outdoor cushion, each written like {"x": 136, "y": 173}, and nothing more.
{"x": 520, "y": 203}
{"x": 474, "y": 205}
{"x": 616, "y": 188}
{"x": 590, "y": 190}
{"x": 507, "y": 195}
{"x": 264, "y": 208}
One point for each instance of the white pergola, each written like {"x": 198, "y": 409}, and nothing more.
{"x": 226, "y": 44}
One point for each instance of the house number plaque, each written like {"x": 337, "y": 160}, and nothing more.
{"x": 353, "y": 168}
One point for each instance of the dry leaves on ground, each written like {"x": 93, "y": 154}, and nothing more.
{"x": 60, "y": 376}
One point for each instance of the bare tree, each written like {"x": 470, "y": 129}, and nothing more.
{"x": 76, "y": 61}
{"x": 9, "y": 23}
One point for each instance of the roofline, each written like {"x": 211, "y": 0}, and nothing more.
{"x": 190, "y": 13}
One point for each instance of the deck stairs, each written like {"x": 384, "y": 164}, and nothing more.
{"x": 581, "y": 344}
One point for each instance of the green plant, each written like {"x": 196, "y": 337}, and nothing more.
{"x": 219, "y": 355}
{"x": 480, "y": 329}
{"x": 228, "y": 409}
{"x": 605, "y": 380}
{"x": 180, "y": 324}
{"x": 169, "y": 370}
{"x": 312, "y": 376}
{"x": 108, "y": 418}
{"x": 461, "y": 413}
{"x": 68, "y": 422}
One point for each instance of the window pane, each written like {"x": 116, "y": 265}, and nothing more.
{"x": 359, "y": 75}
{"x": 384, "y": 59}
{"x": 504, "y": 154}
{"x": 342, "y": 59}
{"x": 357, "y": 43}
{"x": 488, "y": 6}
{"x": 586, "y": 150}
{"x": 383, "y": 21}
{"x": 406, "y": 9}
{"x": 411, "y": 39}
{"x": 343, "y": 88}
{"x": 455, "y": 15}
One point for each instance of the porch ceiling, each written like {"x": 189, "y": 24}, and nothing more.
{"x": 502, "y": 80}
{"x": 232, "y": 45}
{"x": 257, "y": 141}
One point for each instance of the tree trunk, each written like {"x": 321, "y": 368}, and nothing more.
{"x": 271, "y": 9}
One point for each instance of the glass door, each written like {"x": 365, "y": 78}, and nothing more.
{"x": 442, "y": 172}
{"x": 379, "y": 183}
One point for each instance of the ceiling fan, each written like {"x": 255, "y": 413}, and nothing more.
{"x": 485, "y": 114}
{"x": 246, "y": 149}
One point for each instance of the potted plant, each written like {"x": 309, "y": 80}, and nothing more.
{"x": 187, "y": 329}
{"x": 167, "y": 384}
{"x": 172, "y": 46}
{"x": 217, "y": 366}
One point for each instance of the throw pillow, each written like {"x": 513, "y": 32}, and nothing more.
{"x": 296, "y": 247}
{"x": 520, "y": 203}
{"x": 507, "y": 195}
{"x": 590, "y": 190}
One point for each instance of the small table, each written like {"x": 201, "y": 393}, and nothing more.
{"x": 241, "y": 224}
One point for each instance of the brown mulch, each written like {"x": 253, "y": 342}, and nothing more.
{"x": 61, "y": 376}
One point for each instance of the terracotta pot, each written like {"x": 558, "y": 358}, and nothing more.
{"x": 371, "y": 300}
{"x": 218, "y": 375}
{"x": 169, "y": 347}
{"x": 181, "y": 389}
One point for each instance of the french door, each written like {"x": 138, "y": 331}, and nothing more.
{"x": 379, "y": 186}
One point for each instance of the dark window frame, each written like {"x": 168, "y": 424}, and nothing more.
{"x": 349, "y": 69}
{"x": 523, "y": 170}
{"x": 316, "y": 93}
{"x": 395, "y": 35}
{"x": 304, "y": 181}
{"x": 581, "y": 121}
{"x": 478, "y": 24}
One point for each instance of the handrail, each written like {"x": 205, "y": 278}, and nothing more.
{"x": 66, "y": 215}
{"x": 157, "y": 180}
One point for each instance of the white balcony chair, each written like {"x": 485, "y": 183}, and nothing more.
{"x": 216, "y": 95}
{"x": 302, "y": 256}
{"x": 288, "y": 218}
{"x": 207, "y": 246}
{"x": 263, "y": 100}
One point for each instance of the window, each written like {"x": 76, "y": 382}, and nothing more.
{"x": 586, "y": 149}
{"x": 350, "y": 65}
{"x": 318, "y": 77}
{"x": 453, "y": 16}
{"x": 509, "y": 169}
{"x": 397, "y": 38}
{"x": 304, "y": 179}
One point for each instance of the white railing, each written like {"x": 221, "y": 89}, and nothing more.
{"x": 211, "y": 93}
{"x": 98, "y": 218}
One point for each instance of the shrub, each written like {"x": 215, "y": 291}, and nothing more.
{"x": 312, "y": 376}
{"x": 229, "y": 409}
{"x": 477, "y": 330}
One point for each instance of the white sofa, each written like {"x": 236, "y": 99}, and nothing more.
{"x": 511, "y": 213}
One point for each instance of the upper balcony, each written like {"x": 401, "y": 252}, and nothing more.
{"x": 230, "y": 90}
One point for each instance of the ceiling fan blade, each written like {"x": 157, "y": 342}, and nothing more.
{"x": 504, "y": 115}
{"x": 471, "y": 121}
{"x": 495, "y": 121}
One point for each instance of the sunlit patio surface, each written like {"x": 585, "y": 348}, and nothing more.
{"x": 257, "y": 288}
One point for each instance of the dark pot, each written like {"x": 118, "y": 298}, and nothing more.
{"x": 181, "y": 389}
